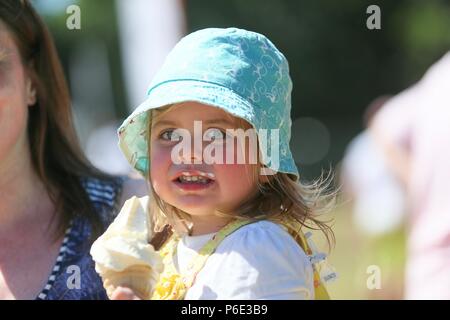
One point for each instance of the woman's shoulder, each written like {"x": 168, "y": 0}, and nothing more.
{"x": 117, "y": 187}
{"x": 74, "y": 259}
{"x": 108, "y": 196}
{"x": 104, "y": 191}
{"x": 132, "y": 186}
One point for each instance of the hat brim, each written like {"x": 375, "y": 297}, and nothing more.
{"x": 133, "y": 131}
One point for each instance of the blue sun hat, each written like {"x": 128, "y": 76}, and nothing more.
{"x": 236, "y": 70}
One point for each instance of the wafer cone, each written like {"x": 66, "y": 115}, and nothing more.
{"x": 123, "y": 255}
{"x": 138, "y": 278}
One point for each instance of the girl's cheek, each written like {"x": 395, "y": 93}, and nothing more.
{"x": 160, "y": 155}
{"x": 235, "y": 176}
{"x": 241, "y": 152}
{"x": 159, "y": 164}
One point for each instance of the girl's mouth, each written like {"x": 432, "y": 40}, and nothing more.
{"x": 191, "y": 181}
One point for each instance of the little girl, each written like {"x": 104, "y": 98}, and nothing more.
{"x": 235, "y": 212}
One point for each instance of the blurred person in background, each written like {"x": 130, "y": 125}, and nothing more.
{"x": 53, "y": 202}
{"x": 413, "y": 132}
{"x": 377, "y": 207}
{"x": 377, "y": 197}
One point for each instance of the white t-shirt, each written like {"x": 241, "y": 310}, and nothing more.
{"x": 258, "y": 261}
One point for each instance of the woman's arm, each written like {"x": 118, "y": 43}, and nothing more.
{"x": 396, "y": 157}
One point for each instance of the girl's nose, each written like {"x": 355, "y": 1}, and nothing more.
{"x": 194, "y": 154}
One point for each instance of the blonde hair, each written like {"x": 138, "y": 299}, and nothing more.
{"x": 278, "y": 198}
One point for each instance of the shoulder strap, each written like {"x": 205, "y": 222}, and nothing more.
{"x": 196, "y": 265}
{"x": 318, "y": 260}
{"x": 172, "y": 285}
{"x": 182, "y": 283}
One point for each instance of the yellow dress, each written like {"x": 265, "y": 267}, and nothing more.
{"x": 173, "y": 286}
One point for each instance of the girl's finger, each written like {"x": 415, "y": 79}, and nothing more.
{"x": 123, "y": 293}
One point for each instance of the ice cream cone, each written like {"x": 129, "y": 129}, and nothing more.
{"x": 123, "y": 255}
{"x": 140, "y": 279}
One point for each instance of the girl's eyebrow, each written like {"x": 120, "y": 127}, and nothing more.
{"x": 164, "y": 123}
{"x": 219, "y": 121}
{"x": 207, "y": 122}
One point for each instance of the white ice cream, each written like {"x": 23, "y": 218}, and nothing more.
{"x": 126, "y": 241}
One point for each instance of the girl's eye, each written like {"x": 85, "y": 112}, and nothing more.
{"x": 214, "y": 134}
{"x": 171, "y": 135}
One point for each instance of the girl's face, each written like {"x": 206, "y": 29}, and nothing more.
{"x": 219, "y": 186}
{"x": 16, "y": 93}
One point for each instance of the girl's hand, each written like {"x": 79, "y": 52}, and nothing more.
{"x": 123, "y": 293}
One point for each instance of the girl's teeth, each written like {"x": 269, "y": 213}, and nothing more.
{"x": 196, "y": 179}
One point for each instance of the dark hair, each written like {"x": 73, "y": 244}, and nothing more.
{"x": 55, "y": 151}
